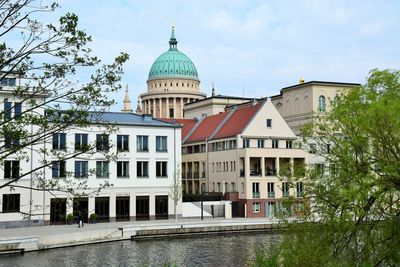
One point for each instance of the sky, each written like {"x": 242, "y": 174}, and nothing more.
{"x": 250, "y": 48}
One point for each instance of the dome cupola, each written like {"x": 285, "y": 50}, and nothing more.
{"x": 173, "y": 64}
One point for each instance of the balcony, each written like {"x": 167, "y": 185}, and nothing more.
{"x": 270, "y": 172}
{"x": 271, "y": 194}
{"x": 256, "y": 194}
{"x": 255, "y": 173}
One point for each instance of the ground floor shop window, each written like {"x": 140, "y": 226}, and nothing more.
{"x": 58, "y": 210}
{"x": 102, "y": 209}
{"x": 161, "y": 207}
{"x": 11, "y": 203}
{"x": 142, "y": 208}
{"x": 122, "y": 208}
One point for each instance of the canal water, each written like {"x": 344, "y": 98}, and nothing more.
{"x": 221, "y": 250}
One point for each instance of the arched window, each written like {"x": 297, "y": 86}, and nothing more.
{"x": 336, "y": 101}
{"x": 321, "y": 103}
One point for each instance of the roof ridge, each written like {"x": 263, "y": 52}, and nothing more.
{"x": 222, "y": 123}
{"x": 193, "y": 129}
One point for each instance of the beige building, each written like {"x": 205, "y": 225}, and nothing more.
{"x": 299, "y": 103}
{"x": 173, "y": 82}
{"x": 238, "y": 153}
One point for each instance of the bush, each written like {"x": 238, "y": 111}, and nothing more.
{"x": 93, "y": 217}
{"x": 70, "y": 217}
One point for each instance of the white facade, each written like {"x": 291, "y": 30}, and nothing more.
{"x": 119, "y": 201}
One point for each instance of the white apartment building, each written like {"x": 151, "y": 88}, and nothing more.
{"x": 141, "y": 159}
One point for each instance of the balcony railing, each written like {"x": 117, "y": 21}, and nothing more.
{"x": 256, "y": 194}
{"x": 270, "y": 172}
{"x": 255, "y": 173}
{"x": 271, "y": 194}
{"x": 189, "y": 175}
{"x": 241, "y": 173}
{"x": 299, "y": 194}
{"x": 195, "y": 175}
{"x": 203, "y": 174}
{"x": 285, "y": 193}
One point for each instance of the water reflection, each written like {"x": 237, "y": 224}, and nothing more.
{"x": 226, "y": 250}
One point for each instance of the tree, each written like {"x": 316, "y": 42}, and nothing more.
{"x": 49, "y": 99}
{"x": 356, "y": 204}
{"x": 176, "y": 191}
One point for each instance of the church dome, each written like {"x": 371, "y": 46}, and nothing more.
{"x": 173, "y": 64}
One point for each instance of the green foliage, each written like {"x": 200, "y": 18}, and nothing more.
{"x": 50, "y": 58}
{"x": 93, "y": 217}
{"x": 70, "y": 217}
{"x": 355, "y": 202}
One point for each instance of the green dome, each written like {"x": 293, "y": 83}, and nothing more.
{"x": 173, "y": 64}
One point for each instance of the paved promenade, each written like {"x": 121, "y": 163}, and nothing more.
{"x": 44, "y": 237}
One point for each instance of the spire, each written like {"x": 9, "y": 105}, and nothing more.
{"x": 138, "y": 109}
{"x": 127, "y": 101}
{"x": 172, "y": 41}
{"x": 213, "y": 89}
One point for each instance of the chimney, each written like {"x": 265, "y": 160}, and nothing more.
{"x": 301, "y": 80}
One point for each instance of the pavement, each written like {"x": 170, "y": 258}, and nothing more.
{"x": 41, "y": 231}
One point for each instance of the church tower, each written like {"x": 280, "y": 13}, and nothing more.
{"x": 173, "y": 81}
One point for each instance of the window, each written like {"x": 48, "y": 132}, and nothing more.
{"x": 81, "y": 169}
{"x": 256, "y": 207}
{"x": 219, "y": 187}
{"x": 285, "y": 189}
{"x": 123, "y": 142}
{"x": 58, "y": 169}
{"x": 8, "y": 81}
{"x": 213, "y": 167}
{"x": 260, "y": 143}
{"x": 59, "y": 141}
{"x": 81, "y": 142}
{"x": 313, "y": 148}
{"x": 102, "y": 169}
{"x": 11, "y": 203}
{"x": 142, "y": 142}
{"x": 7, "y": 110}
{"x": 142, "y": 169}
{"x": 321, "y": 103}
{"x": 161, "y": 143}
{"x": 275, "y": 143}
{"x": 171, "y": 112}
{"x": 246, "y": 143}
{"x": 10, "y": 142}
{"x": 102, "y": 142}
{"x": 289, "y": 144}
{"x": 242, "y": 188}
{"x": 123, "y": 169}
{"x": 319, "y": 169}
{"x": 271, "y": 189}
{"x": 233, "y": 187}
{"x": 11, "y": 169}
{"x": 161, "y": 169}
{"x": 327, "y": 148}
{"x": 299, "y": 189}
{"x": 269, "y": 123}
{"x": 256, "y": 190}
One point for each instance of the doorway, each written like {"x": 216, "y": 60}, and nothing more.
{"x": 58, "y": 210}
{"x": 80, "y": 207}
{"x": 142, "y": 208}
{"x": 161, "y": 207}
{"x": 102, "y": 209}
{"x": 122, "y": 209}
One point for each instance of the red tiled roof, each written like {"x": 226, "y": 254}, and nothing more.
{"x": 188, "y": 124}
{"x": 207, "y": 127}
{"x": 238, "y": 121}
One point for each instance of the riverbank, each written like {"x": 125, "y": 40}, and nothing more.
{"x": 19, "y": 240}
